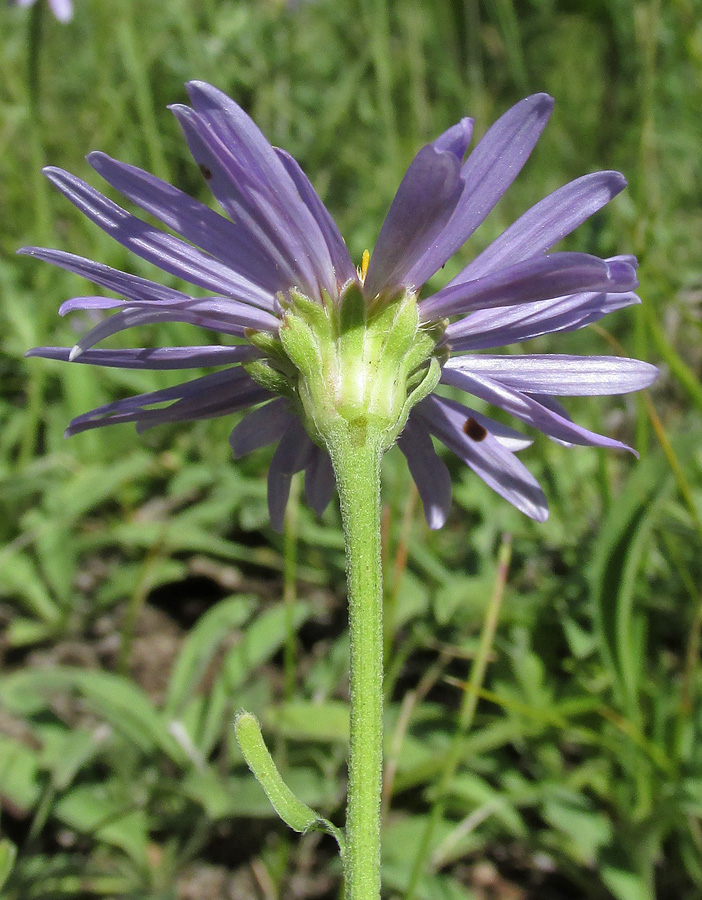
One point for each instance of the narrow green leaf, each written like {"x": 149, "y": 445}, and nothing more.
{"x": 293, "y": 812}
{"x": 625, "y": 884}
{"x": 619, "y": 554}
{"x": 119, "y": 702}
{"x": 8, "y": 854}
{"x": 262, "y": 638}
{"x": 22, "y": 632}
{"x": 21, "y": 580}
{"x": 77, "y": 749}
{"x": 677, "y": 365}
{"x": 204, "y": 640}
{"x": 20, "y": 780}
{"x": 94, "y": 810}
{"x": 583, "y": 831}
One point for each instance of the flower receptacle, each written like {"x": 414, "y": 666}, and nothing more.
{"x": 356, "y": 370}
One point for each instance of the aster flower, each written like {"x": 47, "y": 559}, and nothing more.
{"x": 62, "y": 9}
{"x": 280, "y": 280}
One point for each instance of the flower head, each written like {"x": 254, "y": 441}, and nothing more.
{"x": 320, "y": 343}
{"x": 62, "y": 9}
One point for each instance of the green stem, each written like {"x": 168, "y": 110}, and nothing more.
{"x": 356, "y": 458}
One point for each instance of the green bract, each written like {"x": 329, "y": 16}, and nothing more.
{"x": 349, "y": 367}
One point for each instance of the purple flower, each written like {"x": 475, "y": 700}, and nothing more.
{"x": 279, "y": 242}
{"x": 62, "y": 9}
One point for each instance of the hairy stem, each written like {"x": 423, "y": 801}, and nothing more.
{"x": 356, "y": 457}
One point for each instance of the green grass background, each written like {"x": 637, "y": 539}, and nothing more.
{"x": 143, "y": 597}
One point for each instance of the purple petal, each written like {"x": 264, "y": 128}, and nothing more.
{"x": 341, "y": 261}
{"x": 130, "y": 286}
{"x": 147, "y": 358}
{"x": 528, "y": 410}
{"x": 293, "y": 454}
{"x": 319, "y": 481}
{"x": 501, "y": 326}
{"x": 429, "y": 472}
{"x": 554, "y": 406}
{"x": 227, "y": 241}
{"x": 266, "y": 180}
{"x": 545, "y": 224}
{"x": 509, "y": 438}
{"x": 132, "y": 318}
{"x": 180, "y": 411}
{"x": 227, "y": 180}
{"x": 213, "y": 315}
{"x": 487, "y": 173}
{"x": 213, "y": 406}
{"x": 261, "y": 427}
{"x": 574, "y": 376}
{"x": 163, "y": 250}
{"x": 486, "y": 456}
{"x": 627, "y": 258}
{"x": 196, "y": 387}
{"x": 232, "y": 311}
{"x": 234, "y": 316}
{"x": 204, "y": 397}
{"x": 427, "y": 196}
{"x": 88, "y": 303}
{"x": 456, "y": 138}
{"x": 539, "y": 278}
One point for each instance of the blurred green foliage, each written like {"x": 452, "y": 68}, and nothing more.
{"x": 144, "y": 597}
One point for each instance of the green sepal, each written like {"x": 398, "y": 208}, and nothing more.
{"x": 435, "y": 330}
{"x": 350, "y": 364}
{"x": 442, "y": 354}
{"x": 427, "y": 385}
{"x": 271, "y": 346}
{"x": 390, "y": 332}
{"x": 296, "y": 814}
{"x": 263, "y": 373}
{"x": 351, "y": 351}
{"x": 419, "y": 352}
{"x": 314, "y": 313}
{"x": 403, "y": 331}
{"x": 416, "y": 378}
{"x": 300, "y": 344}
{"x": 424, "y": 388}
{"x": 352, "y": 311}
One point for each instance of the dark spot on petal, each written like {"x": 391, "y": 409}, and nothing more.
{"x": 474, "y": 430}
{"x": 205, "y": 171}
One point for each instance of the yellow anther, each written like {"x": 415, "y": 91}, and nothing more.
{"x": 365, "y": 259}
